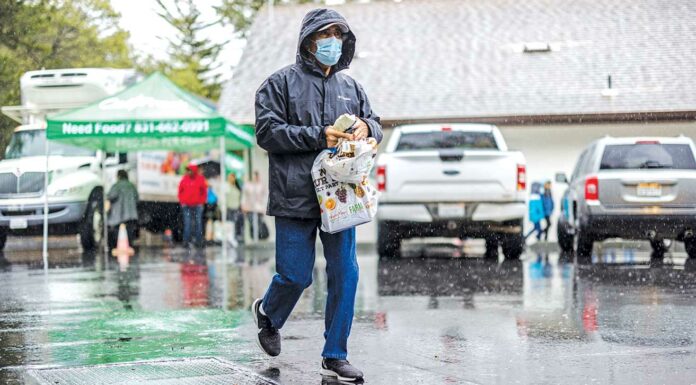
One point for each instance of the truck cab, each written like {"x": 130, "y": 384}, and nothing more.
{"x": 74, "y": 175}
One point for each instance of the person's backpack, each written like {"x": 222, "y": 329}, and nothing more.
{"x": 212, "y": 198}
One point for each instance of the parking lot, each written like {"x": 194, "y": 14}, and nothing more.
{"x": 440, "y": 314}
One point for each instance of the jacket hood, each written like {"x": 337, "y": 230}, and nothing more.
{"x": 537, "y": 188}
{"x": 312, "y": 22}
{"x": 193, "y": 168}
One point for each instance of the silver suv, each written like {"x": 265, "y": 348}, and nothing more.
{"x": 634, "y": 188}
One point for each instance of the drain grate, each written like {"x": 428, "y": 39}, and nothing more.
{"x": 197, "y": 371}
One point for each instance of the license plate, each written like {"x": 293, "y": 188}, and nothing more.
{"x": 450, "y": 210}
{"x": 18, "y": 223}
{"x": 649, "y": 190}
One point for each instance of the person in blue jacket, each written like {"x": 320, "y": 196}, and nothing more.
{"x": 295, "y": 110}
{"x": 547, "y": 200}
{"x": 536, "y": 210}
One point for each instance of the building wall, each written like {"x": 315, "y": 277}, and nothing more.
{"x": 548, "y": 149}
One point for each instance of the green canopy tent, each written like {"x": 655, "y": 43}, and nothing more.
{"x": 153, "y": 114}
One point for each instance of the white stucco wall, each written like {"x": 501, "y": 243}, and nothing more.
{"x": 548, "y": 149}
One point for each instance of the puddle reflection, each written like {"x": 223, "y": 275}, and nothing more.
{"x": 179, "y": 303}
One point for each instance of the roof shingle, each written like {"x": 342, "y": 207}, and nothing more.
{"x": 426, "y": 59}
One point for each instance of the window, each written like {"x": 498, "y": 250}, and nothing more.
{"x": 648, "y": 155}
{"x": 437, "y": 140}
{"x": 31, "y": 143}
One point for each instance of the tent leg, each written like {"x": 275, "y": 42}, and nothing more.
{"x": 105, "y": 234}
{"x": 223, "y": 200}
{"x": 45, "y": 214}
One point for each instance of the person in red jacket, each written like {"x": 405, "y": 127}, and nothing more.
{"x": 193, "y": 193}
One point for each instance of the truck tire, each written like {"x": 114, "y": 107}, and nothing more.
{"x": 388, "y": 241}
{"x": 584, "y": 247}
{"x": 3, "y": 239}
{"x": 565, "y": 240}
{"x": 513, "y": 246}
{"x": 91, "y": 231}
{"x": 690, "y": 246}
{"x": 660, "y": 246}
{"x": 491, "y": 248}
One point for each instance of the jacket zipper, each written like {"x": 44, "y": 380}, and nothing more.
{"x": 323, "y": 99}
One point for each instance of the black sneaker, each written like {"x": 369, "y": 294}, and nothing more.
{"x": 268, "y": 337}
{"x": 341, "y": 369}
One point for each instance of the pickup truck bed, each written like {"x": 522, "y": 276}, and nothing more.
{"x": 455, "y": 180}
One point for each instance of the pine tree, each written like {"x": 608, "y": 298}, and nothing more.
{"x": 193, "y": 62}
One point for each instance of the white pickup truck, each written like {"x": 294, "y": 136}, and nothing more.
{"x": 451, "y": 180}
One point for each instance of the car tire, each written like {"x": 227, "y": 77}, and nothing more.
{"x": 513, "y": 246}
{"x": 91, "y": 232}
{"x": 585, "y": 242}
{"x": 3, "y": 239}
{"x": 690, "y": 246}
{"x": 565, "y": 240}
{"x": 388, "y": 241}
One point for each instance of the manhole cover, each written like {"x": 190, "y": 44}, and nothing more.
{"x": 199, "y": 371}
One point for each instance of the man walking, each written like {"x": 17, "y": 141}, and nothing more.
{"x": 193, "y": 193}
{"x": 295, "y": 108}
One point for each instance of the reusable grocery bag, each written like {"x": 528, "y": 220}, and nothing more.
{"x": 352, "y": 161}
{"x": 346, "y": 197}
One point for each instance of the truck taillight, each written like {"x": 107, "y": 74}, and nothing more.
{"x": 381, "y": 178}
{"x": 591, "y": 188}
{"x": 521, "y": 177}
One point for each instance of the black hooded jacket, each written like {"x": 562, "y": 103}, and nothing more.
{"x": 294, "y": 106}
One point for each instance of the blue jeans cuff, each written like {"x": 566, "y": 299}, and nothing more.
{"x": 335, "y": 356}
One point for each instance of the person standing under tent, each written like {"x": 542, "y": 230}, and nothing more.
{"x": 193, "y": 193}
{"x": 123, "y": 199}
{"x": 254, "y": 198}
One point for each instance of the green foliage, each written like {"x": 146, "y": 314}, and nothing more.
{"x": 37, "y": 34}
{"x": 193, "y": 59}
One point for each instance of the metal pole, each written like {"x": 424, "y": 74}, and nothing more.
{"x": 45, "y": 216}
{"x": 223, "y": 201}
{"x": 104, "y": 228}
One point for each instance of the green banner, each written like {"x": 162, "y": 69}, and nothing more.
{"x": 153, "y": 114}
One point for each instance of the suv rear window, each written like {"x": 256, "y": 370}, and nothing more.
{"x": 437, "y": 140}
{"x": 648, "y": 155}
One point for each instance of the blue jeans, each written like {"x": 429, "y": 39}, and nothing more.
{"x": 193, "y": 217}
{"x": 295, "y": 252}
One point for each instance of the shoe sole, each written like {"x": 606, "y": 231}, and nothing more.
{"x": 256, "y": 322}
{"x": 331, "y": 373}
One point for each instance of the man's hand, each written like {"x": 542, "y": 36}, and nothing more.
{"x": 361, "y": 130}
{"x": 333, "y": 135}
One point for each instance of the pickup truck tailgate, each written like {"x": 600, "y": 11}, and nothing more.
{"x": 451, "y": 176}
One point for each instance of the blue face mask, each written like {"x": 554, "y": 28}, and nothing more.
{"x": 328, "y": 50}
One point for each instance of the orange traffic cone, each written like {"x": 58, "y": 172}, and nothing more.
{"x": 122, "y": 245}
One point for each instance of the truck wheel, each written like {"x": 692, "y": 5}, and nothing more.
{"x": 91, "y": 230}
{"x": 584, "y": 247}
{"x": 388, "y": 241}
{"x": 491, "y": 248}
{"x": 3, "y": 239}
{"x": 690, "y": 246}
{"x": 660, "y": 246}
{"x": 565, "y": 240}
{"x": 513, "y": 246}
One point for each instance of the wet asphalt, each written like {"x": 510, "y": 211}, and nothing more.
{"x": 440, "y": 315}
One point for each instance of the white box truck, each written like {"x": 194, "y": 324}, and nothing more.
{"x": 75, "y": 180}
